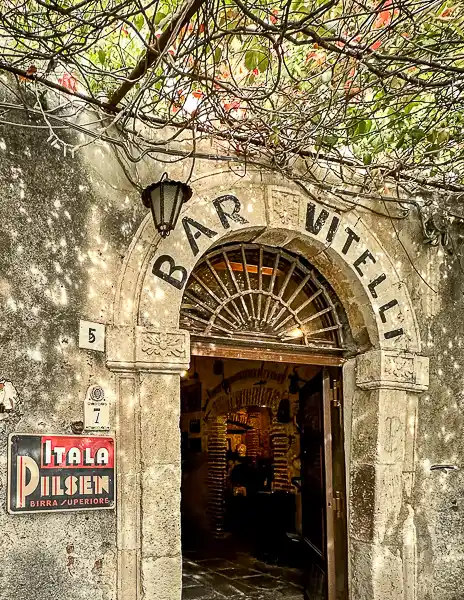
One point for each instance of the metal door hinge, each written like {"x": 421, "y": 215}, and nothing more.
{"x": 338, "y": 505}
{"x": 335, "y": 394}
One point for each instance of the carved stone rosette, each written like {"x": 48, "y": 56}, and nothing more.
{"x": 145, "y": 349}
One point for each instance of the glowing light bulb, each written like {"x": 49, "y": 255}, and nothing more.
{"x": 294, "y": 333}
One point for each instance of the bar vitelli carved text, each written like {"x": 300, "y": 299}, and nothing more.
{"x": 229, "y": 208}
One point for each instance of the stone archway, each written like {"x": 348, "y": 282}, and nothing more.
{"x": 148, "y": 351}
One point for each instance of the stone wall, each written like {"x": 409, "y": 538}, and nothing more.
{"x": 435, "y": 498}
{"x": 66, "y": 227}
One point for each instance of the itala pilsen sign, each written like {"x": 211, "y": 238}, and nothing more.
{"x": 59, "y": 472}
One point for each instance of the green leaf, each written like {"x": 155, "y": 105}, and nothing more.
{"x": 296, "y": 5}
{"x": 159, "y": 17}
{"x": 363, "y": 127}
{"x": 417, "y": 134}
{"x": 274, "y": 139}
{"x": 409, "y": 107}
{"x": 443, "y": 136}
{"x": 139, "y": 21}
{"x": 252, "y": 59}
{"x": 367, "y": 158}
{"x": 102, "y": 56}
{"x": 326, "y": 140}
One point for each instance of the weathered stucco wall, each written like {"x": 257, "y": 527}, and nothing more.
{"x": 64, "y": 230}
{"x": 437, "y": 497}
{"x": 66, "y": 225}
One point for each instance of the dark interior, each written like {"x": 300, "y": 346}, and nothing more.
{"x": 253, "y": 480}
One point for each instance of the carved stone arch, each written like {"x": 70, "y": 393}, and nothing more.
{"x": 344, "y": 250}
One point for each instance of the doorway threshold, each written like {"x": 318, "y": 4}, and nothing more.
{"x": 241, "y": 577}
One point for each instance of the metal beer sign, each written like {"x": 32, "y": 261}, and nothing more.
{"x": 60, "y": 472}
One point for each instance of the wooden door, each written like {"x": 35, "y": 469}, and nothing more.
{"x": 322, "y": 487}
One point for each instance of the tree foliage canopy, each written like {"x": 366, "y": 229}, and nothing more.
{"x": 376, "y": 85}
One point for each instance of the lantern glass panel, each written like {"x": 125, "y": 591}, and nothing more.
{"x": 178, "y": 204}
{"x": 156, "y": 205}
{"x": 170, "y": 192}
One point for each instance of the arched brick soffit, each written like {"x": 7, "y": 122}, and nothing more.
{"x": 268, "y": 397}
{"x": 225, "y": 209}
{"x": 255, "y": 386}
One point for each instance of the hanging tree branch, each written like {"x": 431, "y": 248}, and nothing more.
{"x": 367, "y": 93}
{"x": 183, "y": 16}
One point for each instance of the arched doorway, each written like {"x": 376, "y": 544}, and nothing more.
{"x": 260, "y": 453}
{"x": 147, "y": 351}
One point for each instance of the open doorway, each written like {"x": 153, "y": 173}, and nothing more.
{"x": 262, "y": 481}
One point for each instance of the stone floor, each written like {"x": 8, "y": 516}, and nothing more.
{"x": 242, "y": 577}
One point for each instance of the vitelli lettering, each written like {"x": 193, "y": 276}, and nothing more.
{"x": 373, "y": 284}
{"x": 332, "y": 229}
{"x": 228, "y": 209}
{"x": 383, "y": 309}
{"x": 352, "y": 237}
{"x": 393, "y": 333}
{"x": 362, "y": 260}
{"x": 312, "y": 226}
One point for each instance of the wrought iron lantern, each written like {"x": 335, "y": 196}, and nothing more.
{"x": 165, "y": 199}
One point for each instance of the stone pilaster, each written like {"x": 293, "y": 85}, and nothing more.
{"x": 382, "y": 531}
{"x": 128, "y": 486}
{"x": 148, "y": 364}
